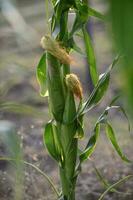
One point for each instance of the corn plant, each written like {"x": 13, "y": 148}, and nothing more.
{"x": 64, "y": 90}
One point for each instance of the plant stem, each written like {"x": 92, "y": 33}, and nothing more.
{"x": 68, "y": 189}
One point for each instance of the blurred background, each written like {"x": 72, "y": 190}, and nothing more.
{"x": 22, "y": 24}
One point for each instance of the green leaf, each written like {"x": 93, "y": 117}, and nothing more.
{"x": 118, "y": 108}
{"x": 41, "y": 75}
{"x": 99, "y": 91}
{"x": 45, "y": 176}
{"x": 55, "y": 28}
{"x": 60, "y": 19}
{"x": 126, "y": 116}
{"x": 20, "y": 109}
{"x": 111, "y": 135}
{"x": 103, "y": 117}
{"x": 55, "y": 2}
{"x": 121, "y": 25}
{"x": 11, "y": 140}
{"x": 90, "y": 57}
{"x": 80, "y": 19}
{"x": 78, "y": 24}
{"x": 115, "y": 185}
{"x": 82, "y": 15}
{"x": 72, "y": 44}
{"x": 80, "y": 130}
{"x": 91, "y": 144}
{"x": 100, "y": 176}
{"x": 97, "y": 94}
{"x": 88, "y": 11}
{"x": 103, "y": 180}
{"x": 114, "y": 100}
{"x": 51, "y": 141}
{"x": 95, "y": 13}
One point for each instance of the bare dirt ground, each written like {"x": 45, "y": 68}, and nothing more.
{"x": 18, "y": 60}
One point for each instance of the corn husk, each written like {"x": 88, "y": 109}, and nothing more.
{"x": 74, "y": 85}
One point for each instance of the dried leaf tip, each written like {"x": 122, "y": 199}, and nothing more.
{"x": 74, "y": 85}
{"x": 53, "y": 47}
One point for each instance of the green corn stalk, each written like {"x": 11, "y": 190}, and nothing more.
{"x": 62, "y": 133}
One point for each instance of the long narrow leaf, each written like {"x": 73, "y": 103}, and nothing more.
{"x": 111, "y": 135}
{"x": 99, "y": 90}
{"x": 10, "y": 139}
{"x": 95, "y": 13}
{"x": 37, "y": 169}
{"x": 20, "y": 109}
{"x": 90, "y": 57}
{"x": 91, "y": 144}
{"x": 80, "y": 130}
{"x": 50, "y": 138}
{"x": 105, "y": 113}
{"x": 42, "y": 75}
{"x": 104, "y": 181}
{"x": 126, "y": 116}
{"x": 115, "y": 185}
{"x": 50, "y": 141}
{"x": 112, "y": 106}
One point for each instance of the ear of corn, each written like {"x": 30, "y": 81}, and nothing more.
{"x": 55, "y": 87}
{"x": 74, "y": 85}
{"x": 53, "y": 47}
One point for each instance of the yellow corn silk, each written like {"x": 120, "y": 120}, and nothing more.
{"x": 54, "y": 48}
{"x": 74, "y": 85}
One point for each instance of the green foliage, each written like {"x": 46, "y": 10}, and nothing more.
{"x": 10, "y": 139}
{"x": 65, "y": 129}
{"x": 115, "y": 185}
{"x": 62, "y": 133}
{"x": 99, "y": 91}
{"x": 95, "y": 13}
{"x": 90, "y": 57}
{"x": 112, "y": 138}
{"x": 121, "y": 15}
{"x": 20, "y": 109}
{"x": 51, "y": 140}
{"x": 91, "y": 144}
{"x": 42, "y": 75}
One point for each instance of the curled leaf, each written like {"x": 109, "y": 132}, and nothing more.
{"x": 52, "y": 142}
{"x": 42, "y": 75}
{"x": 91, "y": 144}
{"x": 99, "y": 91}
{"x": 111, "y": 135}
